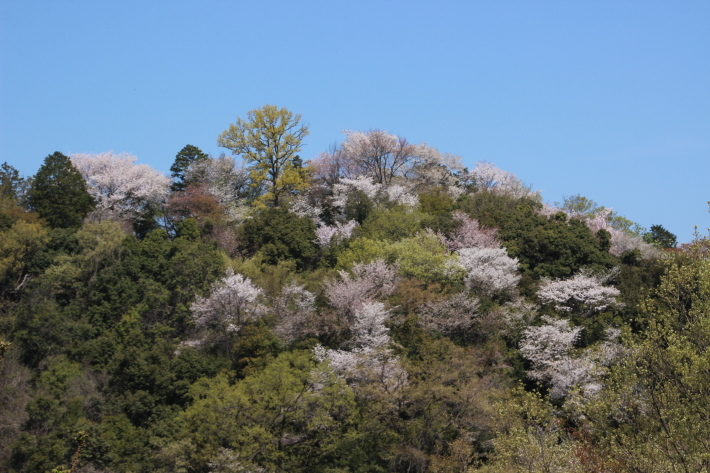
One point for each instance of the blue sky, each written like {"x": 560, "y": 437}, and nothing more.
{"x": 606, "y": 99}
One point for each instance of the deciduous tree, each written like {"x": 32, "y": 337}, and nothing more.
{"x": 269, "y": 140}
{"x": 121, "y": 188}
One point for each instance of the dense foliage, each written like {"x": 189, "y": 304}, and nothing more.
{"x": 379, "y": 309}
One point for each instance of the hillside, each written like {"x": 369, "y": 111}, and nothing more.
{"x": 377, "y": 309}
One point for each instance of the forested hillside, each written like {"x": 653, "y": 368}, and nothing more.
{"x": 379, "y": 308}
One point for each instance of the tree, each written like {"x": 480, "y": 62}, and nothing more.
{"x": 661, "y": 237}
{"x": 269, "y": 140}
{"x": 489, "y": 270}
{"x": 59, "y": 193}
{"x": 233, "y": 302}
{"x": 583, "y": 294}
{"x": 378, "y": 154}
{"x": 12, "y": 185}
{"x": 122, "y": 188}
{"x": 183, "y": 160}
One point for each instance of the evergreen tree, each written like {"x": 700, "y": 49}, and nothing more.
{"x": 59, "y": 194}
{"x": 188, "y": 155}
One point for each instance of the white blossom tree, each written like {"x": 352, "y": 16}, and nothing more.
{"x": 295, "y": 308}
{"x": 556, "y": 362}
{"x": 368, "y": 282}
{"x": 378, "y": 154}
{"x": 368, "y": 359}
{"x": 487, "y": 176}
{"x": 120, "y": 187}
{"x": 233, "y": 302}
{"x": 327, "y": 234}
{"x": 225, "y": 181}
{"x": 470, "y": 234}
{"x": 488, "y": 270}
{"x": 584, "y": 294}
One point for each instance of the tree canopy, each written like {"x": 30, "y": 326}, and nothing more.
{"x": 270, "y": 140}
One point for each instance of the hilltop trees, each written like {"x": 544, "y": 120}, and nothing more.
{"x": 121, "y": 188}
{"x": 269, "y": 140}
{"x": 183, "y": 160}
{"x": 59, "y": 193}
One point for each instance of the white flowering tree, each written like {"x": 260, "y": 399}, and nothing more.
{"x": 470, "y": 234}
{"x": 226, "y": 181}
{"x": 295, "y": 308}
{"x": 367, "y": 282}
{"x": 487, "y": 176}
{"x": 120, "y": 187}
{"x": 556, "y": 363}
{"x": 378, "y": 154}
{"x": 489, "y": 271}
{"x": 583, "y": 294}
{"x": 233, "y": 302}
{"x": 368, "y": 358}
{"x": 327, "y": 234}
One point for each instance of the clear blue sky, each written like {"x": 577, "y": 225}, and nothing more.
{"x": 606, "y": 99}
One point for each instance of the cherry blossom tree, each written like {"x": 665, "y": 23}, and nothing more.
{"x": 378, "y": 154}
{"x": 225, "y": 181}
{"x": 488, "y": 270}
{"x": 368, "y": 281}
{"x": 368, "y": 359}
{"x": 120, "y": 187}
{"x": 233, "y": 302}
{"x": 487, "y": 176}
{"x": 295, "y": 308}
{"x": 470, "y": 234}
{"x": 584, "y": 294}
{"x": 378, "y": 193}
{"x": 556, "y": 362}
{"x": 327, "y": 234}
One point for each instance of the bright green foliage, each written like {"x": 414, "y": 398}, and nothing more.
{"x": 530, "y": 439}
{"x": 18, "y": 245}
{"x": 291, "y": 416}
{"x": 186, "y": 157}
{"x": 279, "y": 235}
{"x": 653, "y": 414}
{"x": 59, "y": 194}
{"x": 269, "y": 140}
{"x": 422, "y": 256}
{"x": 391, "y": 224}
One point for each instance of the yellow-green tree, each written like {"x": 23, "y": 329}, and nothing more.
{"x": 269, "y": 140}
